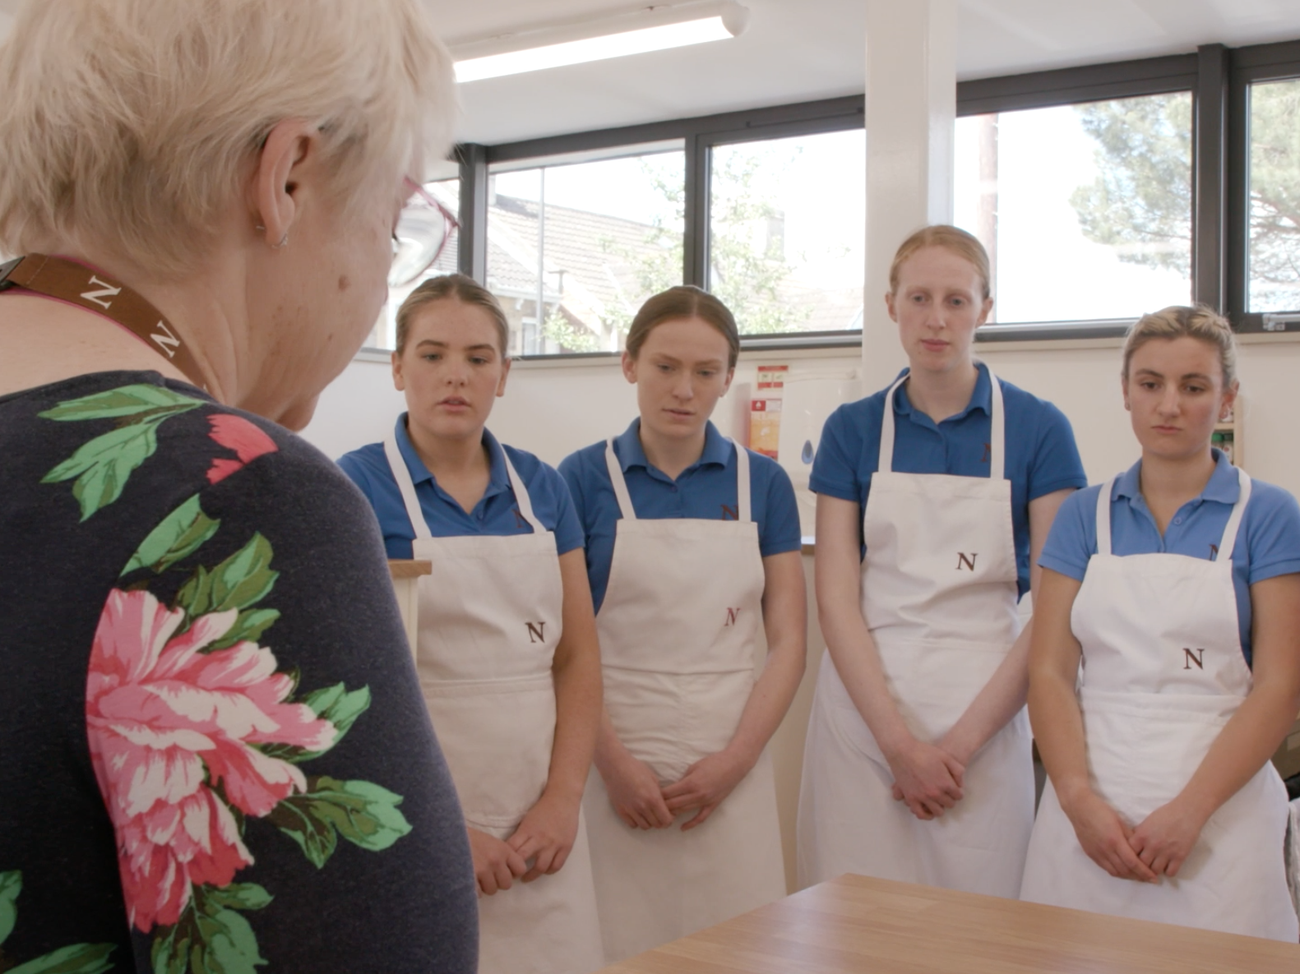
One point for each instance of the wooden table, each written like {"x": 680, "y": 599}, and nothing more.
{"x": 876, "y": 926}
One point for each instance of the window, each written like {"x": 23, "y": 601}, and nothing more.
{"x": 1084, "y": 184}
{"x": 584, "y": 244}
{"x": 1086, "y": 210}
{"x": 1274, "y": 201}
{"x": 787, "y": 232}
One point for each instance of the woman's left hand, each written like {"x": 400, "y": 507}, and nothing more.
{"x": 706, "y": 783}
{"x": 546, "y": 835}
{"x": 1165, "y": 838}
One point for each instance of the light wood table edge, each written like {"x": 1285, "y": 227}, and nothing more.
{"x": 858, "y": 924}
{"x": 409, "y": 567}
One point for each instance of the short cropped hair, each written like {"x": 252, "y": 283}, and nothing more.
{"x": 132, "y": 125}
{"x": 452, "y": 287}
{"x": 684, "y": 301}
{"x": 1179, "y": 321}
{"x": 952, "y": 239}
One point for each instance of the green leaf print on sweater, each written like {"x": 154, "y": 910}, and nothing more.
{"x": 80, "y": 959}
{"x": 178, "y": 535}
{"x": 125, "y": 401}
{"x": 239, "y": 582}
{"x": 11, "y": 884}
{"x": 77, "y": 959}
{"x": 211, "y": 936}
{"x": 361, "y": 812}
{"x": 102, "y": 467}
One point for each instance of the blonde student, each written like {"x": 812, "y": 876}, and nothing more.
{"x": 1176, "y": 584}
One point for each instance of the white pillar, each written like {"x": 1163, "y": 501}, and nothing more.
{"x": 911, "y": 108}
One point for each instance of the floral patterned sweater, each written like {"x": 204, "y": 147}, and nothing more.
{"x": 214, "y": 756}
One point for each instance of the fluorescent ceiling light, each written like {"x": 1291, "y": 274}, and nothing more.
{"x": 575, "y": 42}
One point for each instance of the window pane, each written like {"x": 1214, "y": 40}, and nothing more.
{"x": 787, "y": 232}
{"x": 384, "y": 335}
{"x": 1275, "y": 196}
{"x": 1086, "y": 210}
{"x": 587, "y": 243}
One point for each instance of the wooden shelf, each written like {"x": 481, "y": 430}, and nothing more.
{"x": 409, "y": 567}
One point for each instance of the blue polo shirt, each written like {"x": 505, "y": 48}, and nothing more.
{"x": 1268, "y": 542}
{"x": 1041, "y": 453}
{"x": 706, "y": 490}
{"x": 495, "y": 514}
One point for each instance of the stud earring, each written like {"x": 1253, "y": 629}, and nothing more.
{"x": 275, "y": 246}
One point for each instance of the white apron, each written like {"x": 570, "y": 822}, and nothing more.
{"x": 490, "y": 618}
{"x": 1163, "y": 672}
{"x": 677, "y": 635}
{"x": 939, "y": 596}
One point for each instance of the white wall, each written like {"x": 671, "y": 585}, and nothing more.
{"x": 553, "y": 408}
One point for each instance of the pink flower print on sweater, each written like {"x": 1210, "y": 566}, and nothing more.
{"x": 238, "y": 434}
{"x": 171, "y": 732}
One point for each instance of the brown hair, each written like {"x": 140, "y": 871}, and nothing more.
{"x": 952, "y": 239}
{"x": 684, "y": 301}
{"x": 456, "y": 287}
{"x": 1179, "y": 321}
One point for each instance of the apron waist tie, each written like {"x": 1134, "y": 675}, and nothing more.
{"x": 473, "y": 688}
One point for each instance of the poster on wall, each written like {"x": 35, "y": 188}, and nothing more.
{"x": 765, "y": 410}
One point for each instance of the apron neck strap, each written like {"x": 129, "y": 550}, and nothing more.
{"x": 521, "y": 495}
{"x": 402, "y": 474}
{"x": 885, "y": 462}
{"x": 1103, "y": 517}
{"x": 1229, "y": 540}
{"x": 997, "y": 429}
{"x": 407, "y": 487}
{"x": 619, "y": 483}
{"x": 744, "y": 502}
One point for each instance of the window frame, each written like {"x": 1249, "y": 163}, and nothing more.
{"x": 1248, "y": 65}
{"x": 1059, "y": 87}
{"x": 1218, "y": 78}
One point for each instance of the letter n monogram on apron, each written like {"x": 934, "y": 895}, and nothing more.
{"x": 490, "y": 618}
{"x": 939, "y": 596}
{"x": 677, "y": 636}
{"x": 1163, "y": 673}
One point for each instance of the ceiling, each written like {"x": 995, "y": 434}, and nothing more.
{"x": 799, "y": 50}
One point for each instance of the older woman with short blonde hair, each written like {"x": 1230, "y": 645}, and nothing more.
{"x": 214, "y": 751}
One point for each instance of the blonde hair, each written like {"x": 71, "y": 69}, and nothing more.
{"x": 952, "y": 239}
{"x": 684, "y": 301}
{"x": 452, "y": 287}
{"x": 1178, "y": 321}
{"x": 131, "y": 125}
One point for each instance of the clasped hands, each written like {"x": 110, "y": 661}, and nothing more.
{"x": 642, "y": 803}
{"x": 1157, "y": 847}
{"x": 927, "y": 777}
{"x": 539, "y": 846}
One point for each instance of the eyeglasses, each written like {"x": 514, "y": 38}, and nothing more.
{"x": 422, "y": 232}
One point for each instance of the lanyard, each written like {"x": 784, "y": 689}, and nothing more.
{"x": 92, "y": 289}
